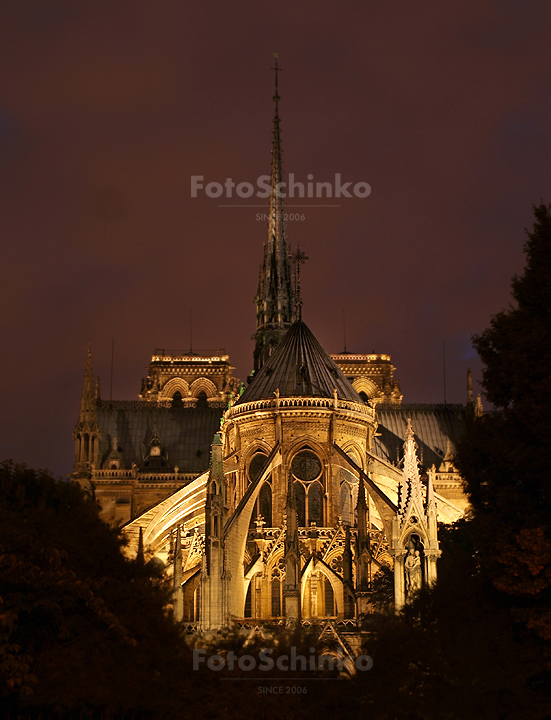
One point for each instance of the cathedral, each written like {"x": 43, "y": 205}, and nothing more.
{"x": 279, "y": 500}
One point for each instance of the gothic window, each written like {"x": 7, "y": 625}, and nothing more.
{"x": 276, "y": 597}
{"x": 202, "y": 399}
{"x": 197, "y": 598}
{"x": 265, "y": 503}
{"x": 276, "y": 584}
{"x": 346, "y": 503}
{"x": 306, "y": 469}
{"x": 315, "y": 504}
{"x": 329, "y": 598}
{"x": 364, "y": 397}
{"x": 306, "y": 466}
{"x": 248, "y": 602}
{"x": 300, "y": 502}
{"x": 253, "y": 605}
{"x": 256, "y": 466}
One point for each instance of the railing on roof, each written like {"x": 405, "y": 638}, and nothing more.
{"x": 300, "y": 401}
{"x": 157, "y": 404}
{"x": 209, "y": 352}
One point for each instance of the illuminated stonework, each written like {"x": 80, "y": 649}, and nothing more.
{"x": 175, "y": 376}
{"x": 372, "y": 376}
{"x": 284, "y": 500}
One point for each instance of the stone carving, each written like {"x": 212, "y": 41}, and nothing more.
{"x": 413, "y": 571}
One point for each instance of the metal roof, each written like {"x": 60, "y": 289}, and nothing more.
{"x": 185, "y": 433}
{"x": 433, "y": 425}
{"x": 299, "y": 366}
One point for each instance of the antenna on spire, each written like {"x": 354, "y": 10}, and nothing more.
{"x": 299, "y": 258}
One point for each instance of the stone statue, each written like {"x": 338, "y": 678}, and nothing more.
{"x": 413, "y": 571}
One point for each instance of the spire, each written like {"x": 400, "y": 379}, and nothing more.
{"x": 410, "y": 484}
{"x": 89, "y": 393}
{"x": 299, "y": 258}
{"x": 414, "y": 541}
{"x": 469, "y": 386}
{"x": 275, "y": 309}
{"x": 87, "y": 434}
{"x": 479, "y": 409}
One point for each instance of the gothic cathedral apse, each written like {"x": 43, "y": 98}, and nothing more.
{"x": 281, "y": 500}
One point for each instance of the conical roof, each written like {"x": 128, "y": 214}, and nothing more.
{"x": 299, "y": 366}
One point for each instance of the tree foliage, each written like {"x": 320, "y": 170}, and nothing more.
{"x": 505, "y": 456}
{"x": 81, "y": 627}
{"x": 453, "y": 652}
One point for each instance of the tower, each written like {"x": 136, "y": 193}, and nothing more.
{"x": 275, "y": 305}
{"x": 87, "y": 433}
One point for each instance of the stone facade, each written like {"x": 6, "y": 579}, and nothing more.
{"x": 372, "y": 377}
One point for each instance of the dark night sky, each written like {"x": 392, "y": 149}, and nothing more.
{"x": 107, "y": 109}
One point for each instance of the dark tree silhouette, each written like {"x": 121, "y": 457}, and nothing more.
{"x": 505, "y": 457}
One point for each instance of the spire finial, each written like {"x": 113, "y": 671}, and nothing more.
{"x": 276, "y": 69}
{"x": 299, "y": 258}
{"x": 89, "y": 396}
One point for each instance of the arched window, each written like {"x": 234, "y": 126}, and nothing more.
{"x": 253, "y": 605}
{"x": 276, "y": 597}
{"x": 177, "y": 401}
{"x": 307, "y": 471}
{"x": 248, "y": 602}
{"x": 300, "y": 502}
{"x": 315, "y": 504}
{"x": 256, "y": 465}
{"x": 265, "y": 503}
{"x": 346, "y": 503}
{"x": 202, "y": 399}
{"x": 276, "y": 584}
{"x": 364, "y": 397}
{"x": 198, "y": 603}
{"x": 329, "y": 598}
